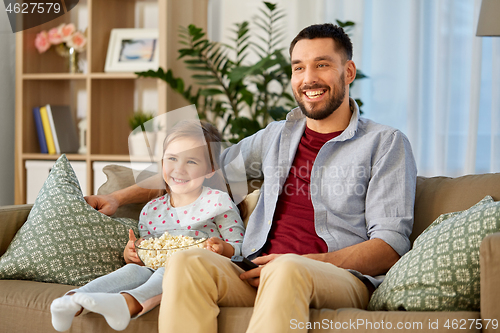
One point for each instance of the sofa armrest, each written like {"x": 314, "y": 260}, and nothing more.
{"x": 490, "y": 278}
{"x": 11, "y": 219}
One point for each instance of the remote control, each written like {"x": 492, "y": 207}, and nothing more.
{"x": 243, "y": 263}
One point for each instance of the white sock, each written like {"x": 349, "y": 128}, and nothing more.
{"x": 113, "y": 307}
{"x": 63, "y": 310}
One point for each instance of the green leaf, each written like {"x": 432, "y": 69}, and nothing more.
{"x": 360, "y": 104}
{"x": 360, "y": 75}
{"x": 202, "y": 77}
{"x": 263, "y": 27}
{"x": 208, "y": 83}
{"x": 199, "y": 68}
{"x": 345, "y": 24}
{"x": 270, "y": 6}
{"x": 211, "y": 92}
{"x": 243, "y": 127}
{"x": 278, "y": 112}
{"x": 266, "y": 14}
{"x": 247, "y": 97}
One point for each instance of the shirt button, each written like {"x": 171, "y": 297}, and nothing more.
{"x": 269, "y": 222}
{"x": 253, "y": 250}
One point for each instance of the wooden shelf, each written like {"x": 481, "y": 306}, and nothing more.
{"x": 110, "y": 98}
{"x": 112, "y": 76}
{"x": 54, "y": 76}
{"x": 35, "y": 156}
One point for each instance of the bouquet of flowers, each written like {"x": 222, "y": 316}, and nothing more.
{"x": 64, "y": 36}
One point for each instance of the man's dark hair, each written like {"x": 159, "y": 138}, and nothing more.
{"x": 326, "y": 30}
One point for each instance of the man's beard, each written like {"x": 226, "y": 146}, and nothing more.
{"x": 332, "y": 104}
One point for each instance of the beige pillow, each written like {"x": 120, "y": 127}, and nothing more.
{"x": 120, "y": 177}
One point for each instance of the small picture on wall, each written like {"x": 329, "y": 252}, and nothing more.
{"x": 132, "y": 50}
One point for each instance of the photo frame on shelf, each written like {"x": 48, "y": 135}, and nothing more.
{"x": 132, "y": 50}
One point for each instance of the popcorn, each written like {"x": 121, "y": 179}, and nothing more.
{"x": 155, "y": 251}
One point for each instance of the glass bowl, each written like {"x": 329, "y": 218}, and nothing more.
{"x": 154, "y": 249}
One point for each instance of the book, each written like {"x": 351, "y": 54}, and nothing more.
{"x": 64, "y": 128}
{"x": 46, "y": 129}
{"x": 53, "y": 129}
{"x": 39, "y": 130}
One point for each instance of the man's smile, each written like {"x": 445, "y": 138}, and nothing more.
{"x": 313, "y": 94}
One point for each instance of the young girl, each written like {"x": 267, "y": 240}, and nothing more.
{"x": 190, "y": 157}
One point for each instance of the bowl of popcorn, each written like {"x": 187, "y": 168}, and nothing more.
{"x": 155, "y": 249}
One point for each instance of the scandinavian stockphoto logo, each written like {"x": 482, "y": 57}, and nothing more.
{"x": 25, "y": 14}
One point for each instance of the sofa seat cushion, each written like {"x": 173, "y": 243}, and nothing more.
{"x": 65, "y": 240}
{"x": 25, "y": 308}
{"x": 441, "y": 272}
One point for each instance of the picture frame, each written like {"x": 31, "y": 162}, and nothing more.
{"x": 132, "y": 50}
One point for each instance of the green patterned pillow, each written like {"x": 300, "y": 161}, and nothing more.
{"x": 441, "y": 272}
{"x": 64, "y": 240}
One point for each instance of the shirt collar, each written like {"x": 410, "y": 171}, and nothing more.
{"x": 297, "y": 115}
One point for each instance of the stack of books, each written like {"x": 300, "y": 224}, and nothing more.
{"x": 56, "y": 129}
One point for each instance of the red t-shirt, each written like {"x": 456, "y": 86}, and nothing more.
{"x": 293, "y": 223}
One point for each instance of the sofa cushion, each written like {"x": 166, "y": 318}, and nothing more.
{"x": 441, "y": 272}
{"x": 441, "y": 195}
{"x": 120, "y": 177}
{"x": 64, "y": 240}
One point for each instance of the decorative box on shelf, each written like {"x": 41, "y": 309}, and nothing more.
{"x": 37, "y": 172}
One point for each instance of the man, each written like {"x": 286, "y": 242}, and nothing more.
{"x": 336, "y": 207}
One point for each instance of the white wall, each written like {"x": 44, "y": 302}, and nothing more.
{"x": 7, "y": 108}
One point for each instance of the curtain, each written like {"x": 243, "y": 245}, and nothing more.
{"x": 431, "y": 77}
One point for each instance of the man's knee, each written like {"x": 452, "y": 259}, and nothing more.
{"x": 285, "y": 265}
{"x": 187, "y": 257}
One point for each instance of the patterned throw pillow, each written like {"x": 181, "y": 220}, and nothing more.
{"x": 64, "y": 240}
{"x": 441, "y": 272}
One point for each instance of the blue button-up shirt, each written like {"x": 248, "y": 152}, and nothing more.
{"x": 362, "y": 182}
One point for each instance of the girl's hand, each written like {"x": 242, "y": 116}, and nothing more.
{"x": 129, "y": 254}
{"x": 219, "y": 246}
{"x": 215, "y": 244}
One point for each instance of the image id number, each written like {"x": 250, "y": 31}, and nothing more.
{"x": 34, "y": 8}
{"x": 468, "y": 324}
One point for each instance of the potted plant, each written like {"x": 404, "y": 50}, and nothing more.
{"x": 229, "y": 84}
{"x": 142, "y": 139}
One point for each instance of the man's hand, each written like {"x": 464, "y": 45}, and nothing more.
{"x": 129, "y": 254}
{"x": 105, "y": 204}
{"x": 253, "y": 275}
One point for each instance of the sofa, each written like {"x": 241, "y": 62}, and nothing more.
{"x": 24, "y": 305}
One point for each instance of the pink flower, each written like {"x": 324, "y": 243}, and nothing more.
{"x": 55, "y": 36}
{"x": 42, "y": 43}
{"x": 77, "y": 41}
{"x": 67, "y": 31}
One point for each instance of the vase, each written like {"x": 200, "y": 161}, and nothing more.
{"x": 73, "y": 61}
{"x": 72, "y": 55}
{"x": 142, "y": 144}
